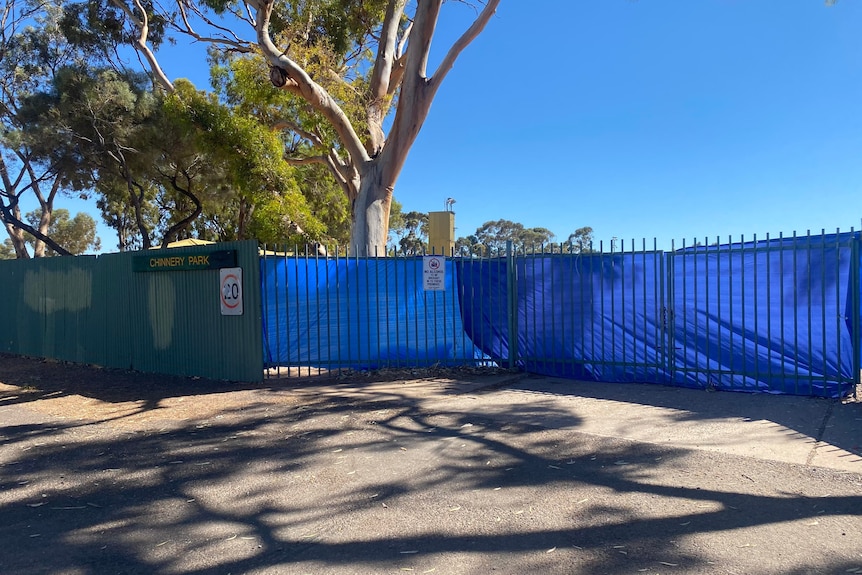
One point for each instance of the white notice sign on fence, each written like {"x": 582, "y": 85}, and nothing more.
{"x": 434, "y": 273}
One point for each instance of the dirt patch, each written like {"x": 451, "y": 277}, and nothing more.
{"x": 132, "y": 399}
{"x": 123, "y": 398}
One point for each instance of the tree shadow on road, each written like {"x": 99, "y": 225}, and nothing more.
{"x": 365, "y": 484}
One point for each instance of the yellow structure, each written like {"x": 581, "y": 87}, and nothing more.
{"x": 441, "y": 233}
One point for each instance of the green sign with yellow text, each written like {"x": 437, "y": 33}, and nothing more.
{"x": 166, "y": 262}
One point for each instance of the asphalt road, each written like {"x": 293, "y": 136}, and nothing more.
{"x": 481, "y": 475}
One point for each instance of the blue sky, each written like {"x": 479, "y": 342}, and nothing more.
{"x": 643, "y": 119}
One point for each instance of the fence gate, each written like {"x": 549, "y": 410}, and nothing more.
{"x": 774, "y": 315}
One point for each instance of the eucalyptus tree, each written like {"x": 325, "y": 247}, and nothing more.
{"x": 352, "y": 69}
{"x": 412, "y": 232}
{"x": 77, "y": 234}
{"x": 493, "y": 237}
{"x": 580, "y": 241}
{"x": 32, "y": 49}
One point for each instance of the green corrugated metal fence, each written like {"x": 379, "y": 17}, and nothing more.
{"x": 99, "y": 310}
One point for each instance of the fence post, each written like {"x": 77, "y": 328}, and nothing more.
{"x": 856, "y": 310}
{"x": 512, "y": 307}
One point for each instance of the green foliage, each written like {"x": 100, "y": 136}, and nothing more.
{"x": 7, "y": 250}
{"x": 411, "y": 228}
{"x": 237, "y": 81}
{"x": 77, "y": 235}
{"x": 581, "y": 241}
{"x": 118, "y": 213}
{"x": 491, "y": 239}
{"x": 98, "y": 27}
{"x": 248, "y": 158}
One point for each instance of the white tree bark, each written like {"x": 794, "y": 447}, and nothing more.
{"x": 366, "y": 165}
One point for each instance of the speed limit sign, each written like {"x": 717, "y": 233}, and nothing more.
{"x": 230, "y": 291}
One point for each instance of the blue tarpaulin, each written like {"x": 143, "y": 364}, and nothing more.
{"x": 360, "y": 313}
{"x": 770, "y": 316}
{"x": 590, "y": 317}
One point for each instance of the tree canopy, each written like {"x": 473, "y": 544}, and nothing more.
{"x": 337, "y": 70}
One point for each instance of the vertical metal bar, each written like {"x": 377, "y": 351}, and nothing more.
{"x": 719, "y": 252}
{"x": 823, "y": 304}
{"x": 592, "y": 277}
{"x": 634, "y": 304}
{"x": 627, "y": 335}
{"x": 267, "y": 327}
{"x": 367, "y": 304}
{"x": 838, "y": 318}
{"x": 769, "y": 381}
{"x": 732, "y": 317}
{"x": 694, "y": 302}
{"x": 784, "y": 374}
{"x": 338, "y": 309}
{"x": 535, "y": 351}
{"x": 317, "y": 305}
{"x": 756, "y": 338}
{"x": 668, "y": 299}
{"x": 395, "y": 304}
{"x": 683, "y": 299}
{"x": 277, "y": 326}
{"x": 454, "y": 298}
{"x": 551, "y": 261}
{"x": 856, "y": 310}
{"x": 708, "y": 314}
{"x": 809, "y": 318}
{"x": 485, "y": 308}
{"x": 644, "y": 303}
{"x": 288, "y": 344}
{"x": 308, "y": 333}
{"x": 414, "y": 297}
{"x": 377, "y": 297}
{"x": 661, "y": 303}
{"x": 347, "y": 294}
{"x": 277, "y": 297}
{"x": 613, "y": 310}
{"x": 795, "y": 318}
{"x": 329, "y": 354}
{"x": 298, "y": 308}
{"x": 572, "y": 260}
{"x": 512, "y": 311}
{"x": 742, "y": 304}
{"x": 425, "y": 318}
{"x": 602, "y": 321}
{"x": 434, "y": 298}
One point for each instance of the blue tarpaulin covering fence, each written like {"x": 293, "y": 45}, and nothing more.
{"x": 773, "y": 316}
{"x": 360, "y": 313}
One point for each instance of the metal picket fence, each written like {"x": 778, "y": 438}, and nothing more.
{"x": 780, "y": 315}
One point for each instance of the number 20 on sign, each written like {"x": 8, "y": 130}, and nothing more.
{"x": 230, "y": 288}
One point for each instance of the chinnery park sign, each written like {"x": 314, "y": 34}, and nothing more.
{"x": 181, "y": 263}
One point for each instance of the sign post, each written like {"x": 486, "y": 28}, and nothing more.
{"x": 434, "y": 273}
{"x": 230, "y": 288}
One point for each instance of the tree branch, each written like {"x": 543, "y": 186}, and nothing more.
{"x": 305, "y": 134}
{"x": 382, "y": 75}
{"x": 9, "y": 218}
{"x": 236, "y": 43}
{"x": 184, "y": 223}
{"x": 466, "y": 38}
{"x": 309, "y": 90}
{"x": 141, "y": 41}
